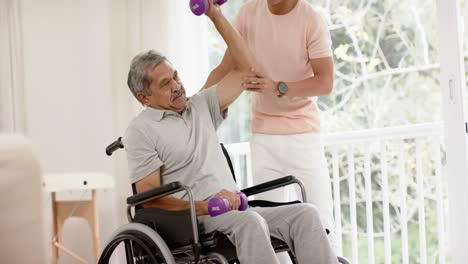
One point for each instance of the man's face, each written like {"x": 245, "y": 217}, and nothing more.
{"x": 167, "y": 91}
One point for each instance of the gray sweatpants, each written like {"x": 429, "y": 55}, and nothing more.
{"x": 298, "y": 225}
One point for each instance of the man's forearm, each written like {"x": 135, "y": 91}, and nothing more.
{"x": 313, "y": 86}
{"x": 319, "y": 84}
{"x": 173, "y": 204}
{"x": 238, "y": 48}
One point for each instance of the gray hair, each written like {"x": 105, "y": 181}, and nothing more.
{"x": 144, "y": 62}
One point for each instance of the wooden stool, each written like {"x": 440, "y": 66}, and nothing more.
{"x": 87, "y": 209}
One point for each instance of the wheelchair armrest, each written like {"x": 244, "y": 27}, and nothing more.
{"x": 270, "y": 185}
{"x": 161, "y": 191}
{"x": 154, "y": 193}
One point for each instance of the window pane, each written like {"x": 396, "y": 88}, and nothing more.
{"x": 386, "y": 64}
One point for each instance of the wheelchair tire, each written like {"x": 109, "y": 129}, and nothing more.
{"x": 143, "y": 239}
{"x": 215, "y": 258}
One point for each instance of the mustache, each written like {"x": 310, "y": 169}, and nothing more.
{"x": 178, "y": 94}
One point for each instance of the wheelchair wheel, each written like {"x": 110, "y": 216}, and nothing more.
{"x": 142, "y": 245}
{"x": 214, "y": 258}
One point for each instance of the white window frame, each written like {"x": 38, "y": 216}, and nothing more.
{"x": 452, "y": 81}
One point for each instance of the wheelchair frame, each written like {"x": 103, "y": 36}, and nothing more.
{"x": 142, "y": 237}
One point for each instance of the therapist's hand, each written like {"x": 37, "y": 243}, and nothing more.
{"x": 258, "y": 83}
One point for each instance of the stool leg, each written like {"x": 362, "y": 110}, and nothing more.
{"x": 95, "y": 228}
{"x": 56, "y": 229}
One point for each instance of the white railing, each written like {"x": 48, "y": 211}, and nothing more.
{"x": 388, "y": 192}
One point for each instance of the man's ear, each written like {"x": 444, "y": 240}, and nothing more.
{"x": 142, "y": 97}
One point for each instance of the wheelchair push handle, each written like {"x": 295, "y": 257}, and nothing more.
{"x": 114, "y": 146}
{"x": 219, "y": 205}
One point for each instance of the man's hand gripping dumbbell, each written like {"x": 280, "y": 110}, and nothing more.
{"x": 225, "y": 201}
{"x": 199, "y": 7}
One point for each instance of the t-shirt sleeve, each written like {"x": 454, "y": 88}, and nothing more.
{"x": 239, "y": 21}
{"x": 142, "y": 157}
{"x": 319, "y": 44}
{"x": 208, "y": 99}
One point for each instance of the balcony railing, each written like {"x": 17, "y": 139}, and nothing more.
{"x": 388, "y": 190}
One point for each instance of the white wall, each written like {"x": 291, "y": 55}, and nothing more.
{"x": 76, "y": 58}
{"x": 68, "y": 97}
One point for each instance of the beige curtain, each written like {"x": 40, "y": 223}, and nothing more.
{"x": 11, "y": 68}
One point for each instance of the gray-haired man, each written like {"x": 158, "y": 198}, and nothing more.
{"x": 174, "y": 139}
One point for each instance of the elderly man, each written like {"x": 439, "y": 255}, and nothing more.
{"x": 174, "y": 139}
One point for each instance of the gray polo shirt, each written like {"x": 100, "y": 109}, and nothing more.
{"x": 185, "y": 147}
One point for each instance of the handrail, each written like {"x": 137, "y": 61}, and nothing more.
{"x": 343, "y": 147}
{"x": 396, "y": 132}
{"x": 364, "y": 135}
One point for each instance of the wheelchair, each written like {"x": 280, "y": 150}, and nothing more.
{"x": 155, "y": 235}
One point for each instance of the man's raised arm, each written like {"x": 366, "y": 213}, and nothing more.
{"x": 237, "y": 47}
{"x": 240, "y": 54}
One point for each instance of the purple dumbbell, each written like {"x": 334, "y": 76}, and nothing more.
{"x": 218, "y": 205}
{"x": 200, "y": 7}
{"x": 243, "y": 201}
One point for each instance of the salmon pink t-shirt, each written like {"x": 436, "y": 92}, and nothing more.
{"x": 283, "y": 46}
